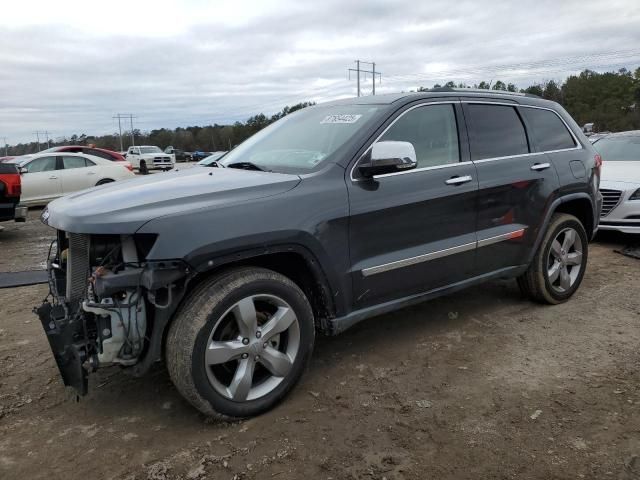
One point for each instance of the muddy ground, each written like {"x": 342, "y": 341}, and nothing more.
{"x": 477, "y": 385}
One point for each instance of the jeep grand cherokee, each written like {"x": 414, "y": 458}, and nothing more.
{"x": 331, "y": 215}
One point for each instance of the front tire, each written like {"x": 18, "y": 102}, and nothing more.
{"x": 559, "y": 265}
{"x": 240, "y": 342}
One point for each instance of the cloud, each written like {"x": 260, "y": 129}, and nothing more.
{"x": 68, "y": 67}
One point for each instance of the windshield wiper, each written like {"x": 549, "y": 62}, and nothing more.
{"x": 246, "y": 166}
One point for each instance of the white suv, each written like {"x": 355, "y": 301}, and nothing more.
{"x": 151, "y": 157}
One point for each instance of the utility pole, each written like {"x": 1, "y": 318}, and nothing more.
{"x": 120, "y": 132}
{"x": 130, "y": 116}
{"x": 45, "y": 133}
{"x": 373, "y": 73}
{"x": 133, "y": 137}
{"x": 373, "y": 76}
{"x": 38, "y": 139}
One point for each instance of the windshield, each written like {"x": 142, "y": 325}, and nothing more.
{"x": 302, "y": 140}
{"x": 211, "y": 159}
{"x": 150, "y": 150}
{"x": 617, "y": 149}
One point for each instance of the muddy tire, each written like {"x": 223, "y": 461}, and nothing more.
{"x": 559, "y": 265}
{"x": 240, "y": 342}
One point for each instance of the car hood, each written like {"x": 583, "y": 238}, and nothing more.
{"x": 628, "y": 171}
{"x": 123, "y": 207}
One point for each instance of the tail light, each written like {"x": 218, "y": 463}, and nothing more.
{"x": 128, "y": 166}
{"x": 598, "y": 161}
{"x": 12, "y": 183}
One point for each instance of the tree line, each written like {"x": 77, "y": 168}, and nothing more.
{"x": 610, "y": 100}
{"x": 208, "y": 138}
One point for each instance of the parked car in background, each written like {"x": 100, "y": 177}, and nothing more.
{"x": 6, "y": 159}
{"x": 620, "y": 184}
{"x": 151, "y": 157}
{"x": 91, "y": 150}
{"x": 199, "y": 155}
{"x": 10, "y": 191}
{"x": 46, "y": 176}
{"x": 211, "y": 160}
{"x": 331, "y": 215}
{"x": 587, "y": 128}
{"x": 179, "y": 155}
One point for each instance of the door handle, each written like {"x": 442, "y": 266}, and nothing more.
{"x": 540, "y": 166}
{"x": 53, "y": 177}
{"x": 91, "y": 173}
{"x": 458, "y": 180}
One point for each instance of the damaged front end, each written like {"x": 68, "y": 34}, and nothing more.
{"x": 107, "y": 304}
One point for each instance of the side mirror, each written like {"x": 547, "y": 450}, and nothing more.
{"x": 388, "y": 157}
{"x": 23, "y": 170}
{"x": 133, "y": 152}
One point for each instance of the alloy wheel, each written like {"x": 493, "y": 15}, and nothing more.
{"x": 252, "y": 347}
{"x": 564, "y": 261}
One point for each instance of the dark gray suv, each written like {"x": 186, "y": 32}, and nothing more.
{"x": 332, "y": 215}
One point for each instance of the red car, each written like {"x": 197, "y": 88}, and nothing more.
{"x": 91, "y": 150}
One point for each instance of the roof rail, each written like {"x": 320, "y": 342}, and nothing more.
{"x": 482, "y": 90}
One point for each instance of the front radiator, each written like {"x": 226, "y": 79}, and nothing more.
{"x": 78, "y": 268}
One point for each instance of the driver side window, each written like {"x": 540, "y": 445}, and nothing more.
{"x": 433, "y": 132}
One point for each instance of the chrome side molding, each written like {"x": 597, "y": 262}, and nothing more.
{"x": 386, "y": 267}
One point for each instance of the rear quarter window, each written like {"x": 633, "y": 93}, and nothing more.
{"x": 547, "y": 130}
{"x": 496, "y": 131}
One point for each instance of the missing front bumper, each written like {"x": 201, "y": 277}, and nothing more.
{"x": 68, "y": 344}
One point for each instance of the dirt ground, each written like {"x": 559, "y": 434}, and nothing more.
{"x": 477, "y": 385}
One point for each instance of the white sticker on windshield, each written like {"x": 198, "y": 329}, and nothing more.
{"x": 341, "y": 119}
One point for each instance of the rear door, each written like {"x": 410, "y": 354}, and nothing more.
{"x": 551, "y": 136}
{"x": 78, "y": 173}
{"x": 42, "y": 182}
{"x": 414, "y": 231}
{"x": 516, "y": 184}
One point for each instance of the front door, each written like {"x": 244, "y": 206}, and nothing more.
{"x": 41, "y": 183}
{"x": 414, "y": 231}
{"x": 516, "y": 184}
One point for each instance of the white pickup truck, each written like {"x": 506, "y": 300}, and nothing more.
{"x": 151, "y": 157}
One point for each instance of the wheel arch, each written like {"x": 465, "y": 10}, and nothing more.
{"x": 579, "y": 205}
{"x": 295, "y": 262}
{"x": 103, "y": 181}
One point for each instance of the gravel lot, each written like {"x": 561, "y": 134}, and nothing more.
{"x": 480, "y": 384}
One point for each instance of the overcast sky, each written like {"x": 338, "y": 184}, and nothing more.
{"x": 68, "y": 67}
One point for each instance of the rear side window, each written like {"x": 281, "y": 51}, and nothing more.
{"x": 432, "y": 131}
{"x": 547, "y": 130}
{"x": 496, "y": 131}
{"x": 74, "y": 162}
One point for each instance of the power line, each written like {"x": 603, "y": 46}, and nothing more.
{"x": 373, "y": 73}
{"x": 543, "y": 65}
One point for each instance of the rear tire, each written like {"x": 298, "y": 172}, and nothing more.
{"x": 559, "y": 265}
{"x": 228, "y": 367}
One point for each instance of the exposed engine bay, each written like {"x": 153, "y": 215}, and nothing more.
{"x": 106, "y": 304}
